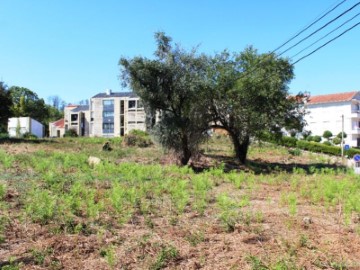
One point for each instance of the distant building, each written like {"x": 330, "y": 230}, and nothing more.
{"x": 18, "y": 126}
{"x": 330, "y": 112}
{"x": 57, "y": 128}
{"x": 115, "y": 114}
{"x": 110, "y": 114}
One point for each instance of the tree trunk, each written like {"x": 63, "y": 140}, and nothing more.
{"x": 240, "y": 146}
{"x": 186, "y": 153}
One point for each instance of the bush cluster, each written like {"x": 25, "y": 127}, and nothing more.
{"x": 137, "y": 138}
{"x": 309, "y": 145}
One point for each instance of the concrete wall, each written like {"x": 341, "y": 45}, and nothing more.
{"x": 25, "y": 124}
{"x": 133, "y": 118}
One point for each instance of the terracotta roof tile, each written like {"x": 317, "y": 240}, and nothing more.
{"x": 59, "y": 123}
{"x": 332, "y": 98}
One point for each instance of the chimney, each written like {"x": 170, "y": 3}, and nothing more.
{"x": 108, "y": 92}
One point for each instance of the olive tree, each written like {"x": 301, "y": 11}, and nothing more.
{"x": 248, "y": 95}
{"x": 173, "y": 85}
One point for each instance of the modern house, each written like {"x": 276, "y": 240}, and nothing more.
{"x": 18, "y": 126}
{"x": 115, "y": 114}
{"x": 335, "y": 112}
{"x": 110, "y": 114}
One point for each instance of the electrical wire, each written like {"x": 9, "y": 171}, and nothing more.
{"x": 325, "y": 44}
{"x": 325, "y": 35}
{"x": 307, "y": 27}
{"x": 319, "y": 29}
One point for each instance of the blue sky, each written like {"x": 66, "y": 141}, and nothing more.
{"x": 71, "y": 48}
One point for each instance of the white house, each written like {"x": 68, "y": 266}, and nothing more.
{"x": 334, "y": 112}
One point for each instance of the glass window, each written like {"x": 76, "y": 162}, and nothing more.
{"x": 108, "y": 102}
{"x": 74, "y": 117}
{"x": 108, "y": 113}
{"x": 132, "y": 104}
{"x": 140, "y": 104}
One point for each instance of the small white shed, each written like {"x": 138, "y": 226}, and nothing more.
{"x": 18, "y": 126}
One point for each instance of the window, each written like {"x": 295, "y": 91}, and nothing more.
{"x": 108, "y": 113}
{"x": 108, "y": 127}
{"x": 132, "y": 104}
{"x": 140, "y": 104}
{"x": 122, "y": 106}
{"x": 74, "y": 117}
{"x": 108, "y": 102}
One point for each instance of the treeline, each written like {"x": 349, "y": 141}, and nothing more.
{"x": 18, "y": 101}
{"x": 244, "y": 93}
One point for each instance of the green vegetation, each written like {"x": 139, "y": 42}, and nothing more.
{"x": 51, "y": 188}
{"x": 196, "y": 92}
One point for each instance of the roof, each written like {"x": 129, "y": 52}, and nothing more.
{"x": 115, "y": 94}
{"x": 81, "y": 108}
{"x": 59, "y": 123}
{"x": 340, "y": 97}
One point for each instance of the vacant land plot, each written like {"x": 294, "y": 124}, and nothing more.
{"x": 137, "y": 210}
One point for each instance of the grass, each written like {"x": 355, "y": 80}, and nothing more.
{"x": 51, "y": 186}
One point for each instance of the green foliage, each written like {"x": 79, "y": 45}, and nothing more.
{"x": 137, "y": 138}
{"x": 318, "y": 147}
{"x": 27, "y": 103}
{"x": 245, "y": 104}
{"x": 70, "y": 133}
{"x": 327, "y": 143}
{"x": 167, "y": 254}
{"x": 30, "y": 136}
{"x": 41, "y": 206}
{"x": 5, "y": 107}
{"x": 295, "y": 152}
{"x": 327, "y": 134}
{"x": 172, "y": 84}
{"x": 336, "y": 140}
{"x": 340, "y": 135}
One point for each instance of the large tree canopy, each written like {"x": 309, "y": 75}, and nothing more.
{"x": 248, "y": 95}
{"x": 5, "y": 107}
{"x": 172, "y": 84}
{"x": 27, "y": 103}
{"x": 245, "y": 94}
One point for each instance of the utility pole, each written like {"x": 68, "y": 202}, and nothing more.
{"x": 342, "y": 136}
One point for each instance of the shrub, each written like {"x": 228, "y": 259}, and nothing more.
{"x": 319, "y": 147}
{"x": 70, "y": 133}
{"x": 327, "y": 143}
{"x": 327, "y": 134}
{"x": 137, "y": 138}
{"x": 315, "y": 138}
{"x": 28, "y": 135}
{"x": 336, "y": 140}
{"x": 339, "y": 135}
{"x": 4, "y": 136}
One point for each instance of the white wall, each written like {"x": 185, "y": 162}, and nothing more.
{"x": 26, "y": 124}
{"x": 328, "y": 116}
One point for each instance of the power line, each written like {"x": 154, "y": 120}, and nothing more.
{"x": 319, "y": 29}
{"x": 247, "y": 73}
{"x": 322, "y": 46}
{"x": 326, "y": 35}
{"x": 307, "y": 27}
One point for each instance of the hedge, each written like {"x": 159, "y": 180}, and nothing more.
{"x": 310, "y": 146}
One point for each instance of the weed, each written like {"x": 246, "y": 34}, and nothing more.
{"x": 195, "y": 238}
{"x": 256, "y": 263}
{"x": 109, "y": 254}
{"x": 41, "y": 206}
{"x": 167, "y": 254}
{"x": 229, "y": 212}
{"x": 303, "y": 240}
{"x": 39, "y": 256}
